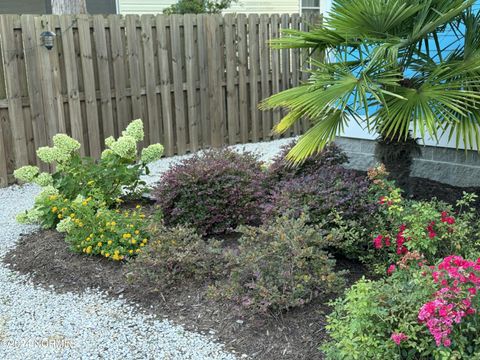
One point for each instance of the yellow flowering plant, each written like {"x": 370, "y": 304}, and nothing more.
{"x": 93, "y": 229}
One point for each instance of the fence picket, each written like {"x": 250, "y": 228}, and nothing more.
{"x": 100, "y": 40}
{"x": 14, "y": 96}
{"x": 89, "y": 86}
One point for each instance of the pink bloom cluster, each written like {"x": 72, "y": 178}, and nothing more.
{"x": 431, "y": 231}
{"x": 380, "y": 241}
{"x": 460, "y": 281}
{"x": 450, "y": 220}
{"x": 401, "y": 249}
{"x": 398, "y": 337}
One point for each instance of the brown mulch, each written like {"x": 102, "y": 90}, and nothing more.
{"x": 292, "y": 335}
{"x": 425, "y": 189}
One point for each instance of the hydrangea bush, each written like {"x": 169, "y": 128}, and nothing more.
{"x": 117, "y": 172}
{"x": 82, "y": 194}
{"x": 214, "y": 191}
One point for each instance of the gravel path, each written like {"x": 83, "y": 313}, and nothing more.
{"x": 39, "y": 324}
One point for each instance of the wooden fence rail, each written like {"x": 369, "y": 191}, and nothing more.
{"x": 195, "y": 80}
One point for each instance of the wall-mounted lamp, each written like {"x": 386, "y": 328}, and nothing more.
{"x": 48, "y": 39}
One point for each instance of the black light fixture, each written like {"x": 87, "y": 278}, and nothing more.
{"x": 48, "y": 39}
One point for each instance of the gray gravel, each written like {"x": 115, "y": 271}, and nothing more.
{"x": 39, "y": 324}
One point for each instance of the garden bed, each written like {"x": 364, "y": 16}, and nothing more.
{"x": 296, "y": 334}
{"x": 46, "y": 258}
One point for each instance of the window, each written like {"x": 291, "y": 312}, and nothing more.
{"x": 309, "y": 7}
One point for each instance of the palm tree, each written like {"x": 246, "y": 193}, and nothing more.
{"x": 389, "y": 69}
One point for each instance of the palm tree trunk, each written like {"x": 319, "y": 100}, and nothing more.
{"x": 397, "y": 154}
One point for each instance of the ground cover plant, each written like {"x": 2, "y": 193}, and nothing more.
{"x": 81, "y": 196}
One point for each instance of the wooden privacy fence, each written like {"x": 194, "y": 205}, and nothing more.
{"x": 195, "y": 80}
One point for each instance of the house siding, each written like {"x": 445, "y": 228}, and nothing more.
{"x": 242, "y": 6}
{"x": 44, "y": 7}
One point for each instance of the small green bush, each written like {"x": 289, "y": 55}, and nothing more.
{"x": 93, "y": 229}
{"x": 279, "y": 266}
{"x": 174, "y": 255}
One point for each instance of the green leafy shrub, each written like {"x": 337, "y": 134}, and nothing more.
{"x": 417, "y": 313}
{"x": 279, "y": 266}
{"x": 214, "y": 192}
{"x": 93, "y": 229}
{"x": 198, "y": 7}
{"x": 117, "y": 172}
{"x": 174, "y": 255}
{"x": 348, "y": 238}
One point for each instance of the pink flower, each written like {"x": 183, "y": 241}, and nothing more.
{"x": 431, "y": 232}
{"x": 378, "y": 242}
{"x": 447, "y": 219}
{"x": 398, "y": 337}
{"x": 391, "y": 269}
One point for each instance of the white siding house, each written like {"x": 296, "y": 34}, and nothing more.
{"x": 241, "y": 6}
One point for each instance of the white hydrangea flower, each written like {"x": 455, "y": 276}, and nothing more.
{"x": 152, "y": 153}
{"x": 65, "y": 225}
{"x": 44, "y": 179}
{"x": 135, "y": 130}
{"x": 29, "y": 217}
{"x": 106, "y": 154}
{"x": 78, "y": 200}
{"x": 109, "y": 141}
{"x": 65, "y": 143}
{"x": 125, "y": 147}
{"x": 26, "y": 173}
{"x": 52, "y": 154}
{"x": 47, "y": 191}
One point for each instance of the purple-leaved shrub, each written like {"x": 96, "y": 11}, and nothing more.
{"x": 214, "y": 191}
{"x": 281, "y": 169}
{"x": 319, "y": 193}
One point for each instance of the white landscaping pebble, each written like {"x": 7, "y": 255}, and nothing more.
{"x": 39, "y": 324}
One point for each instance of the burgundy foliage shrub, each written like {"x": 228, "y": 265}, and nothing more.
{"x": 281, "y": 169}
{"x": 214, "y": 191}
{"x": 317, "y": 194}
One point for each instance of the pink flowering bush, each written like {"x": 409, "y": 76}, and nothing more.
{"x": 418, "y": 312}
{"x": 455, "y": 303}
